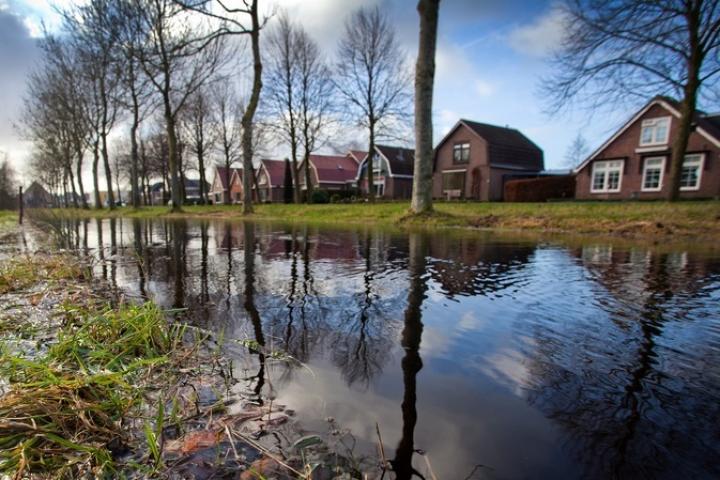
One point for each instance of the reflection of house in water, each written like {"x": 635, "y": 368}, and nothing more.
{"x": 472, "y": 266}
{"x": 630, "y": 376}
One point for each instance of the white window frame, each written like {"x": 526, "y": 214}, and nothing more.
{"x": 701, "y": 167}
{"x": 379, "y": 189}
{"x": 644, "y": 174}
{"x": 604, "y": 165}
{"x": 650, "y": 123}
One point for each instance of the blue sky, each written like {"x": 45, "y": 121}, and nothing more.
{"x": 491, "y": 55}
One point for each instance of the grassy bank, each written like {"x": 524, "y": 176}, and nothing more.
{"x": 631, "y": 219}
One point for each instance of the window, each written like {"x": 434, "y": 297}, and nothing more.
{"x": 379, "y": 189}
{"x": 606, "y": 176}
{"x": 653, "y": 171}
{"x": 655, "y": 131}
{"x": 461, "y": 153}
{"x": 691, "y": 172}
{"x": 453, "y": 180}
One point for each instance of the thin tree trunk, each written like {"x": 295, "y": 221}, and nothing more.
{"x": 104, "y": 151}
{"x": 79, "y": 177}
{"x": 248, "y": 115}
{"x": 96, "y": 180}
{"x": 72, "y": 183}
{"x": 424, "y": 79}
{"x": 371, "y": 150}
{"x": 173, "y": 159}
{"x": 308, "y": 181}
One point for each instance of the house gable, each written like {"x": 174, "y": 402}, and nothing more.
{"x": 658, "y": 107}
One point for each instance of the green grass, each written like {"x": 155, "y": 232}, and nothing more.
{"x": 19, "y": 274}
{"x": 62, "y": 410}
{"x": 634, "y": 219}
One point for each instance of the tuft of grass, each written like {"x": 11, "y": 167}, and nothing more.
{"x": 62, "y": 413}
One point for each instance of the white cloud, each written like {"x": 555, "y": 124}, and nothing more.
{"x": 540, "y": 37}
{"x": 483, "y": 88}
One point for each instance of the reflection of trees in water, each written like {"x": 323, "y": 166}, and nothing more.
{"x": 253, "y": 314}
{"x": 472, "y": 266}
{"x": 362, "y": 337}
{"x": 608, "y": 386}
{"x": 411, "y": 362}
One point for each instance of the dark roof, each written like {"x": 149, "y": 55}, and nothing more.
{"x": 334, "y": 168}
{"x": 276, "y": 171}
{"x": 402, "y": 160}
{"x": 507, "y": 146}
{"x": 35, "y": 189}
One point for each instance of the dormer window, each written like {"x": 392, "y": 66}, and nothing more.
{"x": 655, "y": 131}
{"x": 461, "y": 152}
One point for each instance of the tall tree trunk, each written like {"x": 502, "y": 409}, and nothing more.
{"x": 424, "y": 79}
{"x": 78, "y": 167}
{"x": 689, "y": 103}
{"x": 175, "y": 192}
{"x": 134, "y": 156}
{"x": 308, "y": 181}
{"x": 371, "y": 154}
{"x": 201, "y": 167}
{"x": 72, "y": 182}
{"x": 104, "y": 150}
{"x": 96, "y": 180}
{"x": 249, "y": 114}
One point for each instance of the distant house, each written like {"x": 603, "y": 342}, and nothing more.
{"x": 474, "y": 160}
{"x": 192, "y": 190}
{"x": 219, "y": 191}
{"x": 35, "y": 196}
{"x": 158, "y": 194}
{"x": 236, "y": 186}
{"x": 270, "y": 180}
{"x": 331, "y": 172}
{"x": 635, "y": 161}
{"x": 392, "y": 172}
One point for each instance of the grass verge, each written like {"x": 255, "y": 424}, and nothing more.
{"x": 629, "y": 219}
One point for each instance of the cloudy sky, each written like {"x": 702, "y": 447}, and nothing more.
{"x": 491, "y": 54}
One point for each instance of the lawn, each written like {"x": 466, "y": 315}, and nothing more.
{"x": 632, "y": 219}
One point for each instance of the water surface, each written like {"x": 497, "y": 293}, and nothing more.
{"x": 497, "y": 357}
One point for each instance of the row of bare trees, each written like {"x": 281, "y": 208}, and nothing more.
{"x": 132, "y": 65}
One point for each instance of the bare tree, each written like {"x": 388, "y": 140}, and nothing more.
{"x": 232, "y": 24}
{"x": 179, "y": 55}
{"x": 227, "y": 112}
{"x": 620, "y": 51}
{"x": 577, "y": 151}
{"x": 282, "y": 87}
{"x": 196, "y": 125}
{"x": 372, "y": 77}
{"x": 93, "y": 31}
{"x": 424, "y": 80}
{"x": 317, "y": 92}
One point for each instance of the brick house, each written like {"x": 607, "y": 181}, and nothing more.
{"x": 635, "y": 162}
{"x": 222, "y": 177}
{"x": 474, "y": 160}
{"x": 270, "y": 180}
{"x": 236, "y": 186}
{"x": 331, "y": 172}
{"x": 393, "y": 172}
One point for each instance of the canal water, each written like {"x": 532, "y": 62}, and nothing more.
{"x": 487, "y": 356}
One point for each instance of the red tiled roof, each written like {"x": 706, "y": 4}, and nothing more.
{"x": 334, "y": 168}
